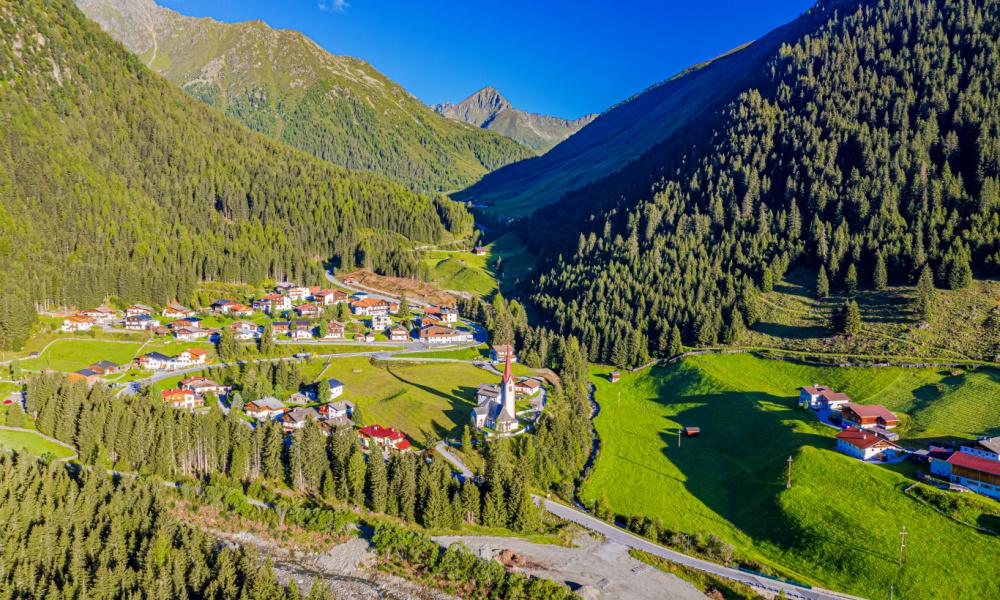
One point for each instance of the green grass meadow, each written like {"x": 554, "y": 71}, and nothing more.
{"x": 24, "y": 441}
{"x": 839, "y": 524}
{"x": 70, "y": 354}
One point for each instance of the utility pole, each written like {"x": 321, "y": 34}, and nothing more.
{"x": 902, "y": 545}
{"x": 788, "y": 481}
{"x": 678, "y": 438}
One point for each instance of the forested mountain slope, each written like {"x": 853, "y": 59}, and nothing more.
{"x": 488, "y": 109}
{"x": 871, "y": 141}
{"x": 624, "y": 132}
{"x": 281, "y": 83}
{"x": 113, "y": 181}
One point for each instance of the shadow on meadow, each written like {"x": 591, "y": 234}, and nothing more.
{"x": 737, "y": 465}
{"x": 461, "y": 401}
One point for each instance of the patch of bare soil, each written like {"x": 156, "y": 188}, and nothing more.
{"x": 401, "y": 286}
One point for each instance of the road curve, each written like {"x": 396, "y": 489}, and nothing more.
{"x": 442, "y": 449}
{"x": 620, "y": 536}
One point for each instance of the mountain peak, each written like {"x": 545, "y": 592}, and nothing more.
{"x": 488, "y": 109}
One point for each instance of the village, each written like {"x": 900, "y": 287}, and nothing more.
{"x": 292, "y": 314}
{"x": 866, "y": 432}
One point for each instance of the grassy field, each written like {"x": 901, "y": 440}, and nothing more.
{"x": 839, "y": 523}
{"x": 71, "y": 354}
{"x": 505, "y": 263}
{"x": 24, "y": 441}
{"x": 961, "y": 324}
{"x": 419, "y": 399}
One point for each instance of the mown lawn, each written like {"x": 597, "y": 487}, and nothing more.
{"x": 839, "y": 523}
{"x": 24, "y": 441}
{"x": 70, "y": 355}
{"x": 460, "y": 271}
{"x": 419, "y": 399}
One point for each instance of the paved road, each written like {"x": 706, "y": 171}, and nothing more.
{"x": 442, "y": 449}
{"x": 620, "y": 536}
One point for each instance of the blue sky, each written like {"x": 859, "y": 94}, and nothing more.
{"x": 553, "y": 57}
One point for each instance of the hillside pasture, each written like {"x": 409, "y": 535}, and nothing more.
{"x": 838, "y": 525}
{"x": 69, "y": 355}
{"x": 32, "y": 443}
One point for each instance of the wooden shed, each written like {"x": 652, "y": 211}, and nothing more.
{"x": 691, "y": 431}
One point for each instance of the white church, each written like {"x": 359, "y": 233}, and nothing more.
{"x": 496, "y": 403}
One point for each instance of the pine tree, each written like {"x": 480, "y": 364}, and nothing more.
{"x": 675, "y": 347}
{"x": 735, "y": 330}
{"x": 377, "y": 484}
{"x": 494, "y": 514}
{"x": 267, "y": 340}
{"x": 466, "y": 438}
{"x": 356, "y": 476}
{"x": 227, "y": 347}
{"x": 851, "y": 280}
{"x": 470, "y": 502}
{"x": 925, "y": 294}
{"x": 880, "y": 276}
{"x": 822, "y": 284}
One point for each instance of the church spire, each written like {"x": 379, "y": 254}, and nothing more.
{"x": 507, "y": 374}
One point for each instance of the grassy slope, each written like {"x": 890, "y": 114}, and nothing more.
{"x": 507, "y": 261}
{"x": 70, "y": 355}
{"x": 958, "y": 327}
{"x": 429, "y": 398}
{"x": 838, "y": 524}
{"x": 22, "y": 441}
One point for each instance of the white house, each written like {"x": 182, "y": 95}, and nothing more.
{"x": 77, "y": 323}
{"x": 336, "y": 388}
{"x": 265, "y": 408}
{"x": 301, "y": 334}
{"x": 863, "y": 444}
{"x": 340, "y": 408}
{"x": 138, "y": 309}
{"x": 192, "y": 356}
{"x": 380, "y": 322}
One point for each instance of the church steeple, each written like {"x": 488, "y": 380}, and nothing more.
{"x": 507, "y": 396}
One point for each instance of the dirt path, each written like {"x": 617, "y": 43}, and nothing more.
{"x": 595, "y": 569}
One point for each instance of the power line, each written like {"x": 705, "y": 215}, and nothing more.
{"x": 902, "y": 545}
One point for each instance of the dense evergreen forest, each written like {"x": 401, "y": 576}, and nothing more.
{"x": 869, "y": 150}
{"x": 113, "y": 182}
{"x": 86, "y": 535}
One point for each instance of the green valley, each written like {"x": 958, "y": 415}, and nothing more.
{"x": 838, "y": 525}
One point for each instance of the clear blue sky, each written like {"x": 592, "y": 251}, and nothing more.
{"x": 554, "y": 57}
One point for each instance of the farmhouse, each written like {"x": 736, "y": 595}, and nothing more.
{"x": 527, "y": 387}
{"x": 85, "y": 375}
{"x": 336, "y": 388}
{"x": 190, "y": 333}
{"x": 181, "y": 398}
{"x": 985, "y": 447}
{"x": 369, "y": 307}
{"x": 328, "y": 426}
{"x": 378, "y": 437}
{"x": 277, "y": 302}
{"x": 307, "y": 310}
{"x": 615, "y": 376}
{"x": 77, "y": 323}
{"x": 863, "y": 444}
{"x": 438, "y": 334}
{"x": 381, "y": 322}
{"x": 155, "y": 361}
{"x": 141, "y": 322}
{"x": 280, "y": 327}
{"x": 301, "y": 333}
{"x": 297, "y": 418}
{"x": 340, "y": 408}
{"x": 335, "y": 330}
{"x": 479, "y": 250}
{"x": 980, "y": 475}
{"x": 105, "y": 367}
{"x": 102, "y": 314}
{"x": 365, "y": 337}
{"x": 176, "y": 311}
{"x": 240, "y": 310}
{"x": 245, "y": 330}
{"x": 398, "y": 334}
{"x": 444, "y": 314}
{"x": 265, "y": 408}
{"x": 298, "y": 292}
{"x": 138, "y": 309}
{"x": 203, "y": 385}
{"x": 328, "y": 297}
{"x": 499, "y": 353}
{"x": 495, "y": 409}
{"x": 820, "y": 396}
{"x": 192, "y": 356}
{"x": 868, "y": 416}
